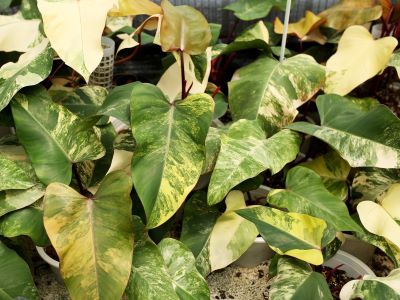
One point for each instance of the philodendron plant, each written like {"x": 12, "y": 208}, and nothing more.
{"x": 125, "y": 211}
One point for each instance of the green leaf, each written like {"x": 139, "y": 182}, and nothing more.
{"x": 291, "y": 234}
{"x": 333, "y": 171}
{"x": 93, "y": 236}
{"x": 11, "y": 200}
{"x": 276, "y": 89}
{"x": 170, "y": 138}
{"x": 247, "y": 10}
{"x": 66, "y": 138}
{"x": 31, "y": 68}
{"x": 27, "y": 221}
{"x": 5, "y": 4}
{"x": 232, "y": 235}
{"x": 183, "y": 28}
{"x": 16, "y": 171}
{"x": 305, "y": 193}
{"x": 198, "y": 222}
{"x": 371, "y": 287}
{"x": 297, "y": 281}
{"x": 395, "y": 62}
{"x": 213, "y": 145}
{"x": 363, "y": 138}
{"x": 117, "y": 103}
{"x": 125, "y": 141}
{"x": 255, "y": 37}
{"x": 29, "y": 9}
{"x": 15, "y": 276}
{"x": 245, "y": 153}
{"x": 215, "y": 33}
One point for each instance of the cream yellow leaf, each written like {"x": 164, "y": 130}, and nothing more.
{"x": 116, "y": 23}
{"x": 172, "y": 87}
{"x": 377, "y": 221}
{"x": 18, "y": 34}
{"x": 390, "y": 201}
{"x": 135, "y": 7}
{"x": 74, "y": 28}
{"x": 301, "y": 28}
{"x": 359, "y": 57}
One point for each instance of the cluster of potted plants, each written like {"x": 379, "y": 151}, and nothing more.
{"x": 151, "y": 209}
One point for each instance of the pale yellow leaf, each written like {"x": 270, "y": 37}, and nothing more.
{"x": 301, "y": 28}
{"x": 116, "y": 23}
{"x": 377, "y": 221}
{"x": 390, "y": 201}
{"x": 359, "y": 57}
{"x": 135, "y": 7}
{"x": 74, "y": 28}
{"x": 18, "y": 34}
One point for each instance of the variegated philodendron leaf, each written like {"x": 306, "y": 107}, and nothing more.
{"x": 371, "y": 183}
{"x": 79, "y": 46}
{"x": 93, "y": 236}
{"x": 16, "y": 171}
{"x": 395, "y": 62}
{"x": 31, "y": 68}
{"x": 254, "y": 9}
{"x": 65, "y": 137}
{"x": 296, "y": 280}
{"x": 291, "y": 234}
{"x": 198, "y": 222}
{"x": 245, "y": 153}
{"x": 11, "y": 200}
{"x": 362, "y": 138}
{"x": 213, "y": 145}
{"x": 170, "y": 149}
{"x": 168, "y": 269}
{"x": 117, "y": 103}
{"x": 333, "y": 171}
{"x": 27, "y": 221}
{"x": 84, "y": 101}
{"x": 305, "y": 193}
{"x": 271, "y": 92}
{"x": 232, "y": 235}
{"x": 372, "y": 287}
{"x": 125, "y": 141}
{"x": 255, "y": 37}
{"x": 16, "y": 280}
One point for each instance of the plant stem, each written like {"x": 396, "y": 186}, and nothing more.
{"x": 183, "y": 79}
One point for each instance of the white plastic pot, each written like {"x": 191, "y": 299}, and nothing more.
{"x": 54, "y": 265}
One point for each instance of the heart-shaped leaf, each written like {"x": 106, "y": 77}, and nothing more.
{"x": 66, "y": 138}
{"x": 276, "y": 89}
{"x": 305, "y": 193}
{"x": 247, "y": 10}
{"x": 11, "y": 200}
{"x": 362, "y": 138}
{"x": 170, "y": 137}
{"x": 245, "y": 153}
{"x": 31, "y": 68}
{"x": 297, "y": 280}
{"x": 346, "y": 69}
{"x": 93, "y": 236}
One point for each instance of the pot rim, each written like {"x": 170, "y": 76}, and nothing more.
{"x": 52, "y": 262}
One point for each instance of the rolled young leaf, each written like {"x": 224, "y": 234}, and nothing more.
{"x": 53, "y": 138}
{"x": 93, "y": 236}
{"x": 170, "y": 149}
{"x": 362, "y": 138}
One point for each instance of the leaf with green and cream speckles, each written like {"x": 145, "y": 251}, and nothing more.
{"x": 16, "y": 171}
{"x": 16, "y": 281}
{"x": 372, "y": 287}
{"x": 11, "y": 200}
{"x": 117, "y": 103}
{"x": 371, "y": 183}
{"x": 93, "y": 236}
{"x": 362, "y": 138}
{"x": 296, "y": 280}
{"x": 168, "y": 270}
{"x": 255, "y": 37}
{"x": 291, "y": 234}
{"x": 305, "y": 193}
{"x": 333, "y": 170}
{"x": 66, "y": 138}
{"x": 213, "y": 145}
{"x": 170, "y": 148}
{"x": 245, "y": 153}
{"x": 198, "y": 222}
{"x": 27, "y": 221}
{"x": 232, "y": 235}
{"x": 181, "y": 265}
{"x": 31, "y": 68}
{"x": 271, "y": 92}
{"x": 395, "y": 62}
